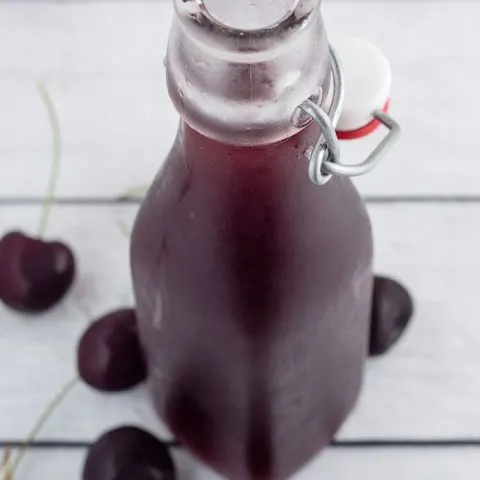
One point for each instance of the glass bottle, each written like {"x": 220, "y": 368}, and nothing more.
{"x": 253, "y": 285}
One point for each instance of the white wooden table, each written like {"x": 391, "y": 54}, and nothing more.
{"x": 102, "y": 63}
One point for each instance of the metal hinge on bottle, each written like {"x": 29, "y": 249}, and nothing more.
{"x": 364, "y": 70}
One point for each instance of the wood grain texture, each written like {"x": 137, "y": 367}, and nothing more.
{"x": 332, "y": 465}
{"x": 341, "y": 465}
{"x": 102, "y": 62}
{"x": 428, "y": 387}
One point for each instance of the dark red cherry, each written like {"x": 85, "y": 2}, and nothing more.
{"x": 109, "y": 354}
{"x": 34, "y": 275}
{"x": 143, "y": 472}
{"x": 128, "y": 450}
{"x": 392, "y": 309}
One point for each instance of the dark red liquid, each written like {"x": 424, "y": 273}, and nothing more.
{"x": 253, "y": 289}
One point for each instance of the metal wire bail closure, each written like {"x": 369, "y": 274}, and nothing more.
{"x": 324, "y": 161}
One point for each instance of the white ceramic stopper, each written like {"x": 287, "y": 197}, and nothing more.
{"x": 368, "y": 80}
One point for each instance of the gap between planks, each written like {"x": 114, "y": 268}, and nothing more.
{"x": 102, "y": 201}
{"x": 55, "y": 444}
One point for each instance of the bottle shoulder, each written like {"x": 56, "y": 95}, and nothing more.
{"x": 209, "y": 180}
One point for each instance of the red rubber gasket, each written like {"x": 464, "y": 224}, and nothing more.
{"x": 362, "y": 131}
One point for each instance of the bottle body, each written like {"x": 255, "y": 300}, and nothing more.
{"x": 253, "y": 292}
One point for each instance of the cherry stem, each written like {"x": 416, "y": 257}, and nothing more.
{"x": 138, "y": 191}
{"x": 44, "y": 417}
{"x": 55, "y": 167}
{"x": 123, "y": 227}
{"x": 7, "y": 471}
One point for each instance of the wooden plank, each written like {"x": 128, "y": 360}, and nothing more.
{"x": 41, "y": 350}
{"x": 102, "y": 62}
{"x": 378, "y": 465}
{"x": 54, "y": 465}
{"x": 428, "y": 387}
{"x": 339, "y": 465}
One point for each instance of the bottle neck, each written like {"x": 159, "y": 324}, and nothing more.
{"x": 198, "y": 148}
{"x": 243, "y": 87}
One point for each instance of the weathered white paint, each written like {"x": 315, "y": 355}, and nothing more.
{"x": 332, "y": 465}
{"x": 427, "y": 387}
{"x": 102, "y": 62}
